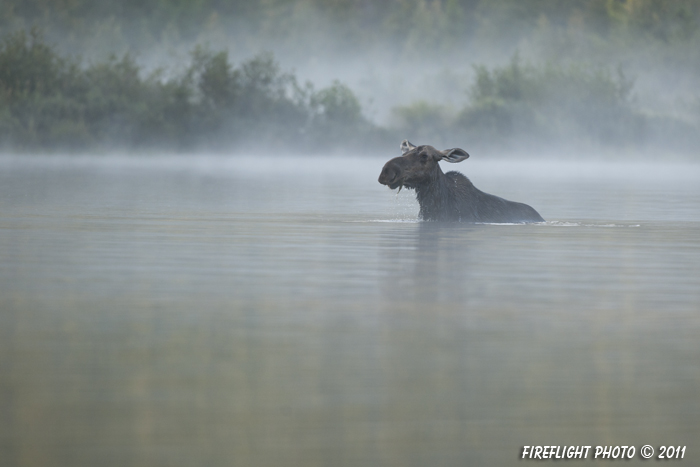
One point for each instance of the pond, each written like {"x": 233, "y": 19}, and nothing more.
{"x": 267, "y": 311}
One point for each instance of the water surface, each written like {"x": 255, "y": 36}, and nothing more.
{"x": 179, "y": 311}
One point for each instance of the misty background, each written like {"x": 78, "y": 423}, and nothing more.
{"x": 162, "y": 304}
{"x": 605, "y": 77}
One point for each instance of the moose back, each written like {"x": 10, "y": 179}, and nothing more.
{"x": 449, "y": 196}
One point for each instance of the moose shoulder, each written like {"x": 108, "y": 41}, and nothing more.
{"x": 449, "y": 196}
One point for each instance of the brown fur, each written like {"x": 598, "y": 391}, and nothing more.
{"x": 449, "y": 196}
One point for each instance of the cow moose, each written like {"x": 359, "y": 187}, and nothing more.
{"x": 449, "y": 196}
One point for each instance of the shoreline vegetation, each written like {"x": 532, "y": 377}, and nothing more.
{"x": 550, "y": 91}
{"x": 49, "y": 102}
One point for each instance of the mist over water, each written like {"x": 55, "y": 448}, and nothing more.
{"x": 347, "y": 77}
{"x": 290, "y": 310}
{"x": 198, "y": 265}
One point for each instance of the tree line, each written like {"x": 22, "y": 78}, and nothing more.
{"x": 50, "y": 102}
{"x": 412, "y": 23}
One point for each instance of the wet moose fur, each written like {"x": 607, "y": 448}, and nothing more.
{"x": 449, "y": 196}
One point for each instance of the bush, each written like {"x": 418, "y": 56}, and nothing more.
{"x": 336, "y": 115}
{"x": 31, "y": 77}
{"x": 47, "y": 102}
{"x": 421, "y": 121}
{"x": 553, "y": 103}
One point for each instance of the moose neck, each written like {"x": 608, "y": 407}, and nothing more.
{"x": 434, "y": 196}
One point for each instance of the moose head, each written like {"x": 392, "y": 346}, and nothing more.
{"x": 418, "y": 165}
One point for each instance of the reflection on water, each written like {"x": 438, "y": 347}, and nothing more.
{"x": 210, "y": 312}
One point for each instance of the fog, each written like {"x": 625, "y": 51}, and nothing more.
{"x": 498, "y": 77}
{"x": 267, "y": 310}
{"x": 198, "y": 265}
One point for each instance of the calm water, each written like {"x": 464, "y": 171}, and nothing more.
{"x": 290, "y": 311}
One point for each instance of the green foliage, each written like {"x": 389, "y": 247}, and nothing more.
{"x": 337, "y": 104}
{"x": 215, "y": 86}
{"x": 337, "y": 114}
{"x": 417, "y": 25}
{"x": 217, "y": 83}
{"x": 49, "y": 100}
{"x": 270, "y": 100}
{"x": 28, "y": 65}
{"x": 664, "y": 20}
{"x": 48, "y": 103}
{"x": 31, "y": 77}
{"x": 421, "y": 121}
{"x": 552, "y": 102}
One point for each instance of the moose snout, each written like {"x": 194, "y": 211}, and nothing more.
{"x": 389, "y": 175}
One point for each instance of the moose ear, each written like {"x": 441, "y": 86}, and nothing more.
{"x": 406, "y": 146}
{"x": 454, "y": 155}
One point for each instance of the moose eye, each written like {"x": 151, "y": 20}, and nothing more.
{"x": 424, "y": 158}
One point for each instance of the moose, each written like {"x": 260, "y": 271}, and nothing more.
{"x": 449, "y": 196}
